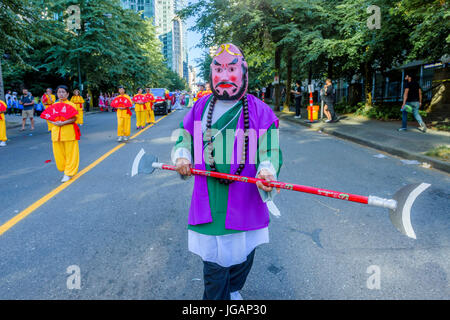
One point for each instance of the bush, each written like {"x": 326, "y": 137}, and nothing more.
{"x": 379, "y": 112}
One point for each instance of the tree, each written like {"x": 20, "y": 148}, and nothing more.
{"x": 17, "y": 22}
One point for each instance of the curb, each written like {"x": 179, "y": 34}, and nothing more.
{"x": 436, "y": 164}
{"x": 12, "y": 125}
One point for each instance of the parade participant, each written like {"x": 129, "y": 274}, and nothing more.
{"x": 48, "y": 99}
{"x": 177, "y": 98}
{"x": 78, "y": 100}
{"x": 140, "y": 109}
{"x": 201, "y": 88}
{"x": 207, "y": 90}
{"x": 150, "y": 116}
{"x": 3, "y": 110}
{"x": 228, "y": 220}
{"x": 123, "y": 118}
{"x": 65, "y": 136}
{"x": 101, "y": 102}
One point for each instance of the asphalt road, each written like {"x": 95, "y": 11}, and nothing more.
{"x": 128, "y": 236}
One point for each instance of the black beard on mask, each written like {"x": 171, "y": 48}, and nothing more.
{"x": 225, "y": 96}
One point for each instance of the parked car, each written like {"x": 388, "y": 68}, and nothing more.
{"x": 162, "y": 104}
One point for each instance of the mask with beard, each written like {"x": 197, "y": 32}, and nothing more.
{"x": 229, "y": 73}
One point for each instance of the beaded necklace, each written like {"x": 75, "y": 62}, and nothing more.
{"x": 209, "y": 138}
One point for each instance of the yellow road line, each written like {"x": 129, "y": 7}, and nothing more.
{"x": 25, "y": 213}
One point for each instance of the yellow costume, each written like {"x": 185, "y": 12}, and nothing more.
{"x": 149, "y": 114}
{"x": 3, "y": 125}
{"x": 65, "y": 147}
{"x": 51, "y": 99}
{"x": 78, "y": 101}
{"x": 140, "y": 114}
{"x": 123, "y": 120}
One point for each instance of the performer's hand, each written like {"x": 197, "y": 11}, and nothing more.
{"x": 183, "y": 166}
{"x": 265, "y": 175}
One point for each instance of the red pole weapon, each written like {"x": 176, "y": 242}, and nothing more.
{"x": 399, "y": 206}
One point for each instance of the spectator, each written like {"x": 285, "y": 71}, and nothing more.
{"x": 17, "y": 106}
{"x": 298, "y": 99}
{"x": 39, "y": 107}
{"x": 27, "y": 101}
{"x": 328, "y": 99}
{"x": 412, "y": 97}
{"x": 9, "y": 100}
{"x": 88, "y": 102}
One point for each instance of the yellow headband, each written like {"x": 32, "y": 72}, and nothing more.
{"x": 226, "y": 48}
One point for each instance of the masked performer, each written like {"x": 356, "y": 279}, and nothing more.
{"x": 78, "y": 100}
{"x": 229, "y": 131}
{"x": 48, "y": 99}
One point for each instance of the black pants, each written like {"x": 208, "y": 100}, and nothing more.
{"x": 298, "y": 104}
{"x": 221, "y": 281}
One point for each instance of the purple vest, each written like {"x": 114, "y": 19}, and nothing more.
{"x": 246, "y": 210}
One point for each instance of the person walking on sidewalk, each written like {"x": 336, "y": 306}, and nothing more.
{"x": 328, "y": 99}
{"x": 27, "y": 101}
{"x": 298, "y": 99}
{"x": 412, "y": 97}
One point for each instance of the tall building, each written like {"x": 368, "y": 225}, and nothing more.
{"x": 193, "y": 79}
{"x": 171, "y": 30}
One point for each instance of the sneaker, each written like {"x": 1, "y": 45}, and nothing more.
{"x": 3, "y": 144}
{"x": 328, "y": 121}
{"x": 401, "y": 129}
{"x": 297, "y": 117}
{"x": 236, "y": 296}
{"x": 125, "y": 138}
{"x": 423, "y": 129}
{"x": 119, "y": 139}
{"x": 65, "y": 178}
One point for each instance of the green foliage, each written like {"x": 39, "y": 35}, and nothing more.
{"x": 113, "y": 47}
{"x": 440, "y": 152}
{"x": 325, "y": 38}
{"x": 379, "y": 112}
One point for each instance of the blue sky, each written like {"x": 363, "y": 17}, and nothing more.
{"x": 193, "y": 39}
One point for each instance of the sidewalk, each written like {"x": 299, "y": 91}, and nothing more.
{"x": 383, "y": 135}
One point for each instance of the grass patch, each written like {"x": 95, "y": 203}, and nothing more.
{"x": 441, "y": 152}
{"x": 378, "y": 112}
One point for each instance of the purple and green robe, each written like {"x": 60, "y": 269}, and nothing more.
{"x": 218, "y": 209}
